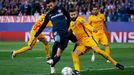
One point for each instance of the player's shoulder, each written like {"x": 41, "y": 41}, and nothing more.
{"x": 91, "y": 16}
{"x": 101, "y": 14}
{"x": 42, "y": 15}
{"x": 80, "y": 18}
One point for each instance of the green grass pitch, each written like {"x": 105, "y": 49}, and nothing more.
{"x": 34, "y": 63}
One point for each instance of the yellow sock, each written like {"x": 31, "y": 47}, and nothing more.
{"x": 107, "y": 49}
{"x": 47, "y": 52}
{"x": 24, "y": 49}
{"x": 107, "y": 56}
{"x": 76, "y": 61}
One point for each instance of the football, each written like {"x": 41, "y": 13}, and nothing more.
{"x": 67, "y": 71}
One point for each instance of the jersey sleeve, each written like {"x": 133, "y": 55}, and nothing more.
{"x": 46, "y": 20}
{"x": 69, "y": 29}
{"x": 89, "y": 20}
{"x": 66, "y": 13}
{"x": 49, "y": 24}
{"x": 86, "y": 25}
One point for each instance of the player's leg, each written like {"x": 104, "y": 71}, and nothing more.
{"x": 50, "y": 61}
{"x": 97, "y": 39}
{"x": 55, "y": 48}
{"x": 45, "y": 44}
{"x": 104, "y": 41}
{"x": 75, "y": 56}
{"x": 60, "y": 43}
{"x": 108, "y": 57}
{"x": 61, "y": 48}
{"x": 92, "y": 43}
{"x": 30, "y": 45}
{"x": 93, "y": 56}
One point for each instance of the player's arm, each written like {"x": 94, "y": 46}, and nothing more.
{"x": 66, "y": 13}
{"x": 89, "y": 20}
{"x": 46, "y": 20}
{"x": 49, "y": 24}
{"x": 71, "y": 36}
{"x": 105, "y": 24}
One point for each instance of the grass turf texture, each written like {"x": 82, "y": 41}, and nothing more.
{"x": 34, "y": 63}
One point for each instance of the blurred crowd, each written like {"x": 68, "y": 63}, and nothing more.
{"x": 115, "y": 10}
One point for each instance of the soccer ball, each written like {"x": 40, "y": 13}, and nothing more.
{"x": 67, "y": 71}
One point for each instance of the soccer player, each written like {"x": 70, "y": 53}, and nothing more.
{"x": 97, "y": 20}
{"x": 83, "y": 32}
{"x": 41, "y": 38}
{"x": 60, "y": 19}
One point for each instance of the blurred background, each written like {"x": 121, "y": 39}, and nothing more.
{"x": 115, "y": 10}
{"x": 18, "y": 16}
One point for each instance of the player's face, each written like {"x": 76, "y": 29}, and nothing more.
{"x": 73, "y": 15}
{"x": 95, "y": 11}
{"x": 51, "y": 6}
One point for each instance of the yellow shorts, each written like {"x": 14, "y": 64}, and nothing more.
{"x": 101, "y": 37}
{"x": 31, "y": 42}
{"x": 86, "y": 43}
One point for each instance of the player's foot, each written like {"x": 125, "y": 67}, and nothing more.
{"x": 120, "y": 66}
{"x": 50, "y": 61}
{"x": 108, "y": 61}
{"x": 13, "y": 55}
{"x": 75, "y": 72}
{"x": 48, "y": 57}
{"x": 52, "y": 70}
{"x": 93, "y": 58}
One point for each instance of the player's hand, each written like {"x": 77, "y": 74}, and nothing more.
{"x": 95, "y": 30}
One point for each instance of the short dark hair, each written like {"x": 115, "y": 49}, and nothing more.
{"x": 48, "y": 1}
{"x": 95, "y": 7}
{"x": 72, "y": 9}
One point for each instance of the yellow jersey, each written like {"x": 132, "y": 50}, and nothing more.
{"x": 39, "y": 23}
{"x": 80, "y": 28}
{"x": 97, "y": 21}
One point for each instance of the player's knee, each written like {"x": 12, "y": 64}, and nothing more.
{"x": 43, "y": 41}
{"x": 101, "y": 52}
{"x": 106, "y": 45}
{"x": 30, "y": 47}
{"x": 77, "y": 52}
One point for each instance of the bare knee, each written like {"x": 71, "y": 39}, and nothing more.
{"x": 77, "y": 52}
{"x": 30, "y": 47}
